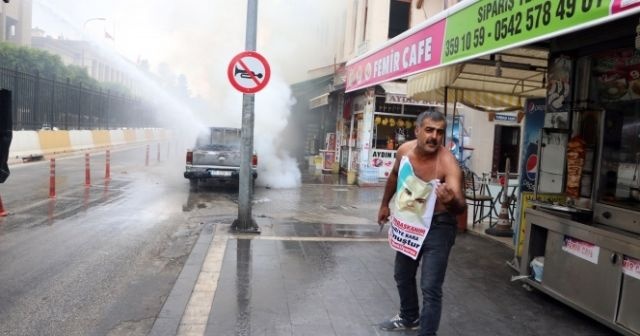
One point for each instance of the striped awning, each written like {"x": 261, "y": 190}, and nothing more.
{"x": 432, "y": 80}
{"x": 479, "y": 100}
{"x": 482, "y": 84}
{"x": 399, "y": 88}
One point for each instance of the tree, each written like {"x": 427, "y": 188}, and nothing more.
{"x": 43, "y": 63}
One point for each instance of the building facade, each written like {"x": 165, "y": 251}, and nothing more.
{"x": 372, "y": 24}
{"x": 15, "y": 22}
{"x": 83, "y": 54}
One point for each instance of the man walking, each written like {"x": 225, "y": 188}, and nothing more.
{"x": 431, "y": 231}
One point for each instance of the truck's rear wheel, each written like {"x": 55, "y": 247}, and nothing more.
{"x": 193, "y": 184}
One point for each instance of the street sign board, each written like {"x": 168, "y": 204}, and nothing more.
{"x": 249, "y": 72}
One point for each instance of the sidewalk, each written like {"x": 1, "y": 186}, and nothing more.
{"x": 332, "y": 279}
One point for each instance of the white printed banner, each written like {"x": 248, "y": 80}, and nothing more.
{"x": 411, "y": 211}
{"x": 406, "y": 237}
{"x": 383, "y": 160}
{"x": 581, "y": 249}
{"x": 631, "y": 267}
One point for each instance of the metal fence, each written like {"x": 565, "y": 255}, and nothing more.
{"x": 39, "y": 103}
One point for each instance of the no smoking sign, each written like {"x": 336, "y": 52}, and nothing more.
{"x": 249, "y": 72}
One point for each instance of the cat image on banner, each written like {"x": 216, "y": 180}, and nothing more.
{"x": 411, "y": 211}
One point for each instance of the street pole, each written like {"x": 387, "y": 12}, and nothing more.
{"x": 84, "y": 28}
{"x": 245, "y": 222}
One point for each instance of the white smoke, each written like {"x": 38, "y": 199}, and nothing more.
{"x": 277, "y": 168}
{"x": 198, "y": 38}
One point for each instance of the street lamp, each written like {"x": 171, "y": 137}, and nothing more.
{"x": 84, "y": 28}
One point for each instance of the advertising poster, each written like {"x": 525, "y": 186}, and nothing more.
{"x": 617, "y": 75}
{"x": 631, "y": 267}
{"x": 526, "y": 198}
{"x": 453, "y": 136}
{"x": 581, "y": 249}
{"x": 559, "y": 86}
{"x": 383, "y": 160}
{"x": 533, "y": 123}
{"x": 558, "y": 93}
{"x": 328, "y": 159}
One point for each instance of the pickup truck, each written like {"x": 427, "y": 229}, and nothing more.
{"x": 216, "y": 158}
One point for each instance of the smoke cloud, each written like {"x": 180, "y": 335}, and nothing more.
{"x": 198, "y": 38}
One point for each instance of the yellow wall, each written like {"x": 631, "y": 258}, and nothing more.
{"x": 54, "y": 141}
{"x": 101, "y": 138}
{"x": 130, "y": 135}
{"x": 148, "y": 134}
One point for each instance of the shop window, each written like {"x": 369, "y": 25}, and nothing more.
{"x": 399, "y": 13}
{"x": 416, "y": 109}
{"x": 619, "y": 169}
{"x": 392, "y": 131}
{"x": 506, "y": 144}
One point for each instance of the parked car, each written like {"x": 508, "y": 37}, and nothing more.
{"x": 216, "y": 158}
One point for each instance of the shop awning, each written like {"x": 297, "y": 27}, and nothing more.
{"x": 478, "y": 100}
{"x": 499, "y": 82}
{"x": 319, "y": 101}
{"x": 399, "y": 88}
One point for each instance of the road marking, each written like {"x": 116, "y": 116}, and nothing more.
{"x": 194, "y": 319}
{"x": 196, "y": 315}
{"x": 330, "y": 239}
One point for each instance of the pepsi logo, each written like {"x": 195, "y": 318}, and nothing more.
{"x": 532, "y": 165}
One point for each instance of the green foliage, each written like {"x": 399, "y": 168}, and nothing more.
{"x": 116, "y": 88}
{"x": 43, "y": 63}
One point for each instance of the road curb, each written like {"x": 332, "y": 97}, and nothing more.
{"x": 168, "y": 320}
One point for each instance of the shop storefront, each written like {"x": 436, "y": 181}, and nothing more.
{"x": 579, "y": 228}
{"x": 583, "y": 219}
{"x": 322, "y": 132}
{"x": 383, "y": 119}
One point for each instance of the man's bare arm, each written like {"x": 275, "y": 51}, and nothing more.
{"x": 450, "y": 193}
{"x": 389, "y": 191}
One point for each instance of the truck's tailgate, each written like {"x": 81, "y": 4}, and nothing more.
{"x": 216, "y": 158}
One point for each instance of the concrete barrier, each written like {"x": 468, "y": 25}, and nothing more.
{"x": 81, "y": 140}
{"x": 52, "y": 142}
{"x": 101, "y": 138}
{"x": 29, "y": 144}
{"x": 117, "y": 137}
{"x": 130, "y": 136}
{"x": 24, "y": 144}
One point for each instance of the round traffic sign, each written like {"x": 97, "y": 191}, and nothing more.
{"x": 249, "y": 72}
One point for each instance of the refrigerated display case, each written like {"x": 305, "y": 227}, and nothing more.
{"x": 618, "y": 194}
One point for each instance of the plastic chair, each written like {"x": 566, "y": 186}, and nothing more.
{"x": 476, "y": 196}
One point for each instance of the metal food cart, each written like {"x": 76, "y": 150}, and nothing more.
{"x": 586, "y": 251}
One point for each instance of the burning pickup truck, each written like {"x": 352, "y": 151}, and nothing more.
{"x": 216, "y": 158}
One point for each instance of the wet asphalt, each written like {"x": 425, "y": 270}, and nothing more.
{"x": 95, "y": 260}
{"x": 320, "y": 266}
{"x": 143, "y": 254}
